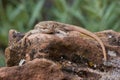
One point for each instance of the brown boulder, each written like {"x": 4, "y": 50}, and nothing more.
{"x": 38, "y": 69}
{"x": 60, "y": 55}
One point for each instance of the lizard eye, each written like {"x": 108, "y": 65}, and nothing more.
{"x": 57, "y": 31}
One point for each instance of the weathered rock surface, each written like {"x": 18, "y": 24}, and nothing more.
{"x": 68, "y": 55}
{"x": 38, "y": 69}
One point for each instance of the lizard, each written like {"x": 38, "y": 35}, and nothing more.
{"x": 50, "y": 27}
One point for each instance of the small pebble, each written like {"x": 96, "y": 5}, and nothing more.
{"x": 112, "y": 53}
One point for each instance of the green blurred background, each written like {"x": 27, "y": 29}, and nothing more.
{"x": 22, "y": 15}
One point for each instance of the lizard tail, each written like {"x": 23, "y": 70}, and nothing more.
{"x": 88, "y": 33}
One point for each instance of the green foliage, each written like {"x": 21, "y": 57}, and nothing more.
{"x": 2, "y": 60}
{"x": 94, "y": 15}
{"x": 18, "y": 15}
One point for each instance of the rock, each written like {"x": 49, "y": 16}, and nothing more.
{"x": 42, "y": 54}
{"x": 35, "y": 44}
{"x": 38, "y": 69}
